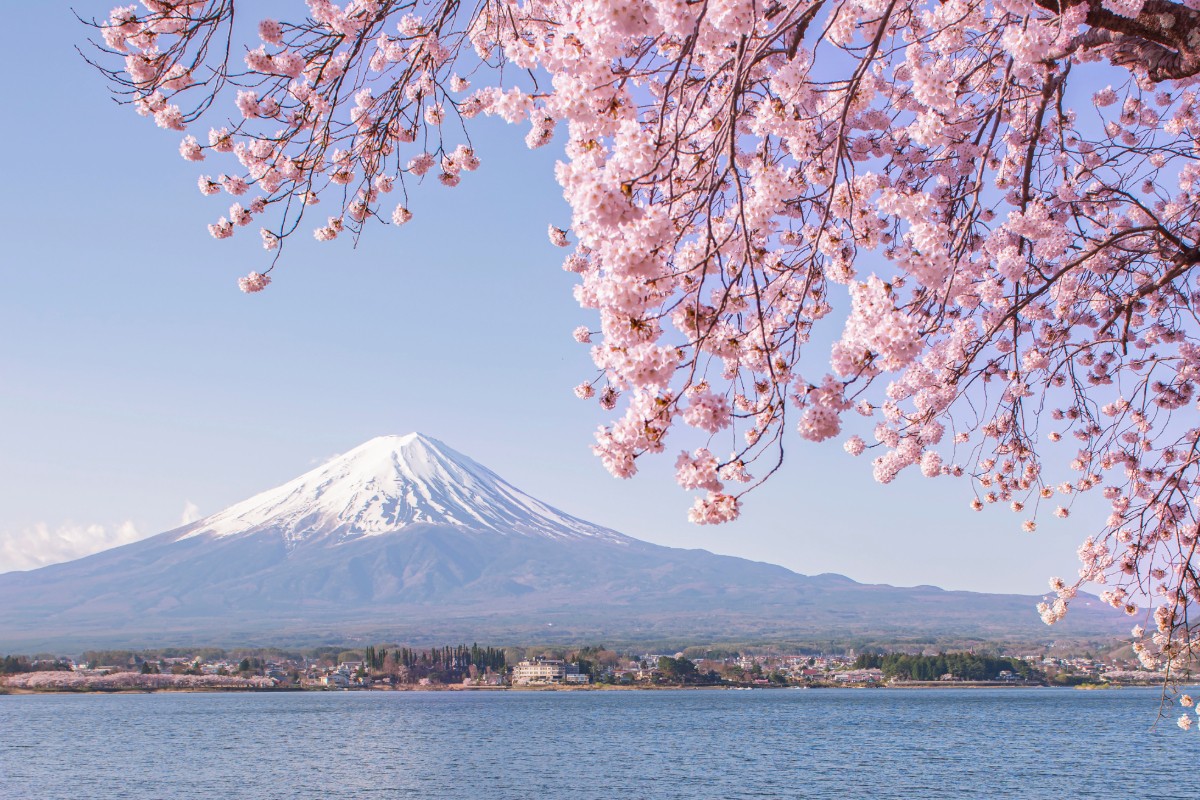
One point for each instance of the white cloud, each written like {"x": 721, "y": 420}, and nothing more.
{"x": 191, "y": 512}
{"x": 40, "y": 545}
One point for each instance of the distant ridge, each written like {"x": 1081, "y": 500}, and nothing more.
{"x": 406, "y": 539}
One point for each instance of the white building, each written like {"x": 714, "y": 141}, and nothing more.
{"x": 546, "y": 670}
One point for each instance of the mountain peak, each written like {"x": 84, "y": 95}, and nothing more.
{"x": 387, "y": 484}
{"x": 396, "y": 441}
{"x": 416, "y": 451}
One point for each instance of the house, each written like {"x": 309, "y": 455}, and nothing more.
{"x": 859, "y": 676}
{"x": 336, "y": 680}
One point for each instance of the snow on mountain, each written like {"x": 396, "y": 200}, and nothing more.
{"x": 388, "y": 484}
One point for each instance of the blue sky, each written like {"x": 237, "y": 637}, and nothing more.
{"x": 137, "y": 384}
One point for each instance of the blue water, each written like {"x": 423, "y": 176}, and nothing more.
{"x": 1020, "y": 743}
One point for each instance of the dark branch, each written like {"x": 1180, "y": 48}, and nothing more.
{"x": 1163, "y": 40}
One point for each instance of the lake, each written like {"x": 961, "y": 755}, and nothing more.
{"x": 835, "y": 743}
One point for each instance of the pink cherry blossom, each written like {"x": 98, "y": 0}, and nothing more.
{"x": 254, "y": 282}
{"x": 714, "y": 508}
{"x": 558, "y": 237}
{"x": 270, "y": 31}
{"x": 190, "y": 149}
{"x": 221, "y": 229}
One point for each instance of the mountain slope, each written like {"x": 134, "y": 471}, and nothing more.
{"x": 405, "y": 538}
{"x": 388, "y": 484}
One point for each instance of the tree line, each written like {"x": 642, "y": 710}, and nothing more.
{"x": 963, "y": 666}
{"x": 12, "y": 665}
{"x": 447, "y": 664}
{"x": 458, "y": 657}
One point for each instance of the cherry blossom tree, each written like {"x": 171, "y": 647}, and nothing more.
{"x": 993, "y": 205}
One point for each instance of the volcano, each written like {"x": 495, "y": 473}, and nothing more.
{"x": 406, "y": 539}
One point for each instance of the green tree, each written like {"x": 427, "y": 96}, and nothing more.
{"x": 677, "y": 670}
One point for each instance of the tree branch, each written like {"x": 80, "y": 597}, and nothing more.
{"x": 1164, "y": 39}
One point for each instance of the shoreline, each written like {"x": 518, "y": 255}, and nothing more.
{"x": 911, "y": 685}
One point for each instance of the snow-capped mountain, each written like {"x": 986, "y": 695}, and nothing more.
{"x": 391, "y": 483}
{"x": 405, "y": 539}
